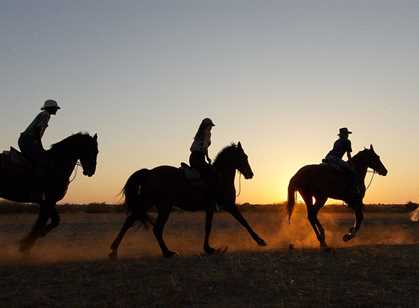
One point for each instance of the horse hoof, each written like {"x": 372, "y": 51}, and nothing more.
{"x": 261, "y": 242}
{"x": 210, "y": 250}
{"x": 347, "y": 237}
{"x": 113, "y": 255}
{"x": 216, "y": 252}
{"x": 221, "y": 251}
{"x": 327, "y": 249}
{"x": 169, "y": 254}
{"x": 25, "y": 248}
{"x": 26, "y": 252}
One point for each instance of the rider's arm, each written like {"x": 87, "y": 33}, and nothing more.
{"x": 207, "y": 157}
{"x": 349, "y": 150}
{"x": 207, "y": 143}
{"x": 42, "y": 123}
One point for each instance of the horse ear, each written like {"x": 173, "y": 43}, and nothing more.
{"x": 95, "y": 137}
{"x": 239, "y": 145}
{"x": 371, "y": 147}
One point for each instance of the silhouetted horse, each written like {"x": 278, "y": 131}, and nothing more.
{"x": 324, "y": 181}
{"x": 165, "y": 187}
{"x": 24, "y": 185}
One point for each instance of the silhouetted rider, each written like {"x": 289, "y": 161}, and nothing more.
{"x": 340, "y": 147}
{"x": 30, "y": 141}
{"x": 335, "y": 157}
{"x": 199, "y": 158}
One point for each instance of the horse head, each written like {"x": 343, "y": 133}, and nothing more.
{"x": 234, "y": 158}
{"x": 80, "y": 146}
{"x": 373, "y": 161}
{"x": 88, "y": 155}
{"x": 242, "y": 162}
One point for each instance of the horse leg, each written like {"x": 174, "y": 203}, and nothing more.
{"x": 38, "y": 228}
{"x": 321, "y": 236}
{"x": 55, "y": 220}
{"x": 208, "y": 224}
{"x": 236, "y": 214}
{"x": 312, "y": 211}
{"x": 162, "y": 217}
{"x": 129, "y": 222}
{"x": 359, "y": 217}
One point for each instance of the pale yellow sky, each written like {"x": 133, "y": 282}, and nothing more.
{"x": 280, "y": 76}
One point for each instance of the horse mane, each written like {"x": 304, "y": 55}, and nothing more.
{"x": 360, "y": 154}
{"x": 63, "y": 145}
{"x": 225, "y": 153}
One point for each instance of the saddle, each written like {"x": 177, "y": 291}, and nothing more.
{"x": 335, "y": 166}
{"x": 17, "y": 167}
{"x": 14, "y": 160}
{"x": 190, "y": 173}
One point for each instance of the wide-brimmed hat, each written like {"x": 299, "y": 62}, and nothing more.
{"x": 344, "y": 131}
{"x": 50, "y": 103}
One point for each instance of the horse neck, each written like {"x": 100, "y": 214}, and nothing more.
{"x": 64, "y": 161}
{"x": 360, "y": 166}
{"x": 68, "y": 168}
{"x": 225, "y": 171}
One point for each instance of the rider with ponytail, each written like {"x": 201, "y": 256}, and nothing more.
{"x": 199, "y": 158}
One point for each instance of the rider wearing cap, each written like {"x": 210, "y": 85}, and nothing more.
{"x": 30, "y": 140}
{"x": 199, "y": 158}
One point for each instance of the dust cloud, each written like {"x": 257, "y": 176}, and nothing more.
{"x": 83, "y": 236}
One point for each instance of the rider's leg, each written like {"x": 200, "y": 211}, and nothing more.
{"x": 207, "y": 172}
{"x": 197, "y": 159}
{"x": 33, "y": 150}
{"x": 354, "y": 188}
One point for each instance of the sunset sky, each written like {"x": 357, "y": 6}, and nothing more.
{"x": 280, "y": 76}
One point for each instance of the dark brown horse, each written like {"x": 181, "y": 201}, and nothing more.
{"x": 165, "y": 187}
{"x": 26, "y": 185}
{"x": 324, "y": 181}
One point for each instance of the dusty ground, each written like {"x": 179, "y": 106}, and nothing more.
{"x": 69, "y": 268}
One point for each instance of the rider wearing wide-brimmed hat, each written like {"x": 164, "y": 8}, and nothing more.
{"x": 199, "y": 158}
{"x": 341, "y": 146}
{"x": 335, "y": 157}
{"x": 30, "y": 141}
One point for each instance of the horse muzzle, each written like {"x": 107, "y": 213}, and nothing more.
{"x": 383, "y": 172}
{"x": 89, "y": 174}
{"x": 248, "y": 176}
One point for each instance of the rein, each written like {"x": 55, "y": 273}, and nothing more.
{"x": 75, "y": 171}
{"x": 372, "y": 178}
{"x": 240, "y": 184}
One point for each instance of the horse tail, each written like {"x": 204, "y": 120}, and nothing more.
{"x": 292, "y": 187}
{"x": 133, "y": 199}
